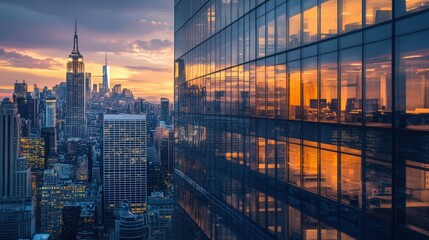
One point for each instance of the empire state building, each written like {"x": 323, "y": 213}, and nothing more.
{"x": 75, "y": 125}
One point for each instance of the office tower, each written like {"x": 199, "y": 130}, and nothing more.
{"x": 88, "y": 83}
{"x": 58, "y": 189}
{"x": 16, "y": 218}
{"x": 165, "y": 110}
{"x": 16, "y": 209}
{"x": 20, "y": 97}
{"x": 129, "y": 225}
{"x": 75, "y": 125}
{"x": 106, "y": 78}
{"x": 79, "y": 221}
{"x": 124, "y": 162}
{"x": 302, "y": 119}
{"x": 160, "y": 216}
{"x": 49, "y": 134}
{"x": 50, "y": 112}
{"x": 12, "y": 167}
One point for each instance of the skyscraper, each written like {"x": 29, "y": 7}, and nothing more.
{"x": 75, "y": 125}
{"x": 124, "y": 162}
{"x": 10, "y": 163}
{"x": 50, "y": 112}
{"x": 16, "y": 209}
{"x": 106, "y": 77}
{"x": 165, "y": 109}
{"x": 302, "y": 119}
{"x": 88, "y": 82}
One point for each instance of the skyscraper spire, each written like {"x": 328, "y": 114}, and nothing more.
{"x": 75, "y": 43}
{"x": 105, "y": 61}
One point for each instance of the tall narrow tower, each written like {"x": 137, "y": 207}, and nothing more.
{"x": 106, "y": 76}
{"x": 75, "y": 107}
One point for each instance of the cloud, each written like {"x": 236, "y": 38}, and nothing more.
{"x": 152, "y": 46}
{"x": 19, "y": 60}
{"x": 152, "y": 69}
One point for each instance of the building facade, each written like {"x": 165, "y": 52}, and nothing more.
{"x": 124, "y": 162}
{"x": 302, "y": 119}
{"x": 75, "y": 125}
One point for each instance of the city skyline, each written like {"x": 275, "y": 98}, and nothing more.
{"x": 138, "y": 41}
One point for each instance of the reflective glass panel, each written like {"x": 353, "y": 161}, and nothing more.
{"x": 351, "y": 180}
{"x": 351, "y": 85}
{"x": 310, "y": 21}
{"x": 328, "y": 24}
{"x": 378, "y": 77}
{"x": 351, "y": 15}
{"x": 294, "y": 24}
{"x": 378, "y": 11}
{"x": 309, "y": 89}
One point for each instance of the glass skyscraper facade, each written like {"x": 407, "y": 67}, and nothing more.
{"x": 302, "y": 119}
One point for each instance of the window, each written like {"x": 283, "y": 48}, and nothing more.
{"x": 328, "y": 174}
{"x": 281, "y": 91}
{"x": 270, "y": 85}
{"x": 351, "y": 85}
{"x": 351, "y": 15}
{"x": 281, "y": 28}
{"x": 351, "y": 180}
{"x": 271, "y": 30}
{"x": 294, "y": 83}
{"x": 328, "y": 25}
{"x": 294, "y": 27}
{"x": 294, "y": 171}
{"x": 310, "y": 168}
{"x": 417, "y": 194}
{"x": 309, "y": 89}
{"x": 310, "y": 21}
{"x": 261, "y": 94}
{"x": 261, "y": 36}
{"x": 378, "y": 11}
{"x": 378, "y": 90}
{"x": 379, "y": 188}
{"x": 413, "y": 80}
{"x": 328, "y": 88}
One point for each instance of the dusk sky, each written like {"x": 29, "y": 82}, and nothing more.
{"x": 37, "y": 37}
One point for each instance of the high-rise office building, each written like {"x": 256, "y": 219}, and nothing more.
{"x": 302, "y": 119}
{"x": 124, "y": 162}
{"x": 106, "y": 78}
{"x": 50, "y": 112}
{"x": 20, "y": 97}
{"x": 14, "y": 181}
{"x": 165, "y": 109}
{"x": 88, "y": 82}
{"x": 75, "y": 124}
{"x": 16, "y": 208}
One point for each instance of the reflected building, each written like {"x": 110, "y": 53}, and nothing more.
{"x": 302, "y": 119}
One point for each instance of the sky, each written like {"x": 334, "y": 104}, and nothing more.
{"x": 36, "y": 38}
